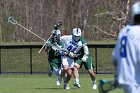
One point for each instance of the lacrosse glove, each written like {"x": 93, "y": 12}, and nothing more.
{"x": 72, "y": 55}
{"x": 84, "y": 59}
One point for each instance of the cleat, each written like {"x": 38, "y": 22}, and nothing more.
{"x": 77, "y": 85}
{"x": 58, "y": 82}
{"x": 94, "y": 86}
{"x": 66, "y": 86}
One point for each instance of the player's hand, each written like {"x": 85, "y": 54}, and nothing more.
{"x": 71, "y": 54}
{"x": 62, "y": 52}
{"x": 84, "y": 59}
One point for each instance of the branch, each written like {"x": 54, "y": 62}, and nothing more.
{"x": 105, "y": 32}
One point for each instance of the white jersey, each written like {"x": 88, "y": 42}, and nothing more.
{"x": 70, "y": 45}
{"x": 127, "y": 55}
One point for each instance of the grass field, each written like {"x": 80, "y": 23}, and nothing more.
{"x": 41, "y": 83}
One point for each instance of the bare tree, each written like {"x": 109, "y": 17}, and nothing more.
{"x": 98, "y": 19}
{"x": 118, "y": 13}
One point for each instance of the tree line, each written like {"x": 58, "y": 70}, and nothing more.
{"x": 98, "y": 19}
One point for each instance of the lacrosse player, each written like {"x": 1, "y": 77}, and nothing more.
{"x": 54, "y": 55}
{"x": 126, "y": 56}
{"x": 72, "y": 44}
{"x": 84, "y": 59}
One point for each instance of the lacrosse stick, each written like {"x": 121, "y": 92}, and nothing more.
{"x": 14, "y": 22}
{"x": 106, "y": 86}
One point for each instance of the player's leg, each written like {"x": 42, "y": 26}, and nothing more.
{"x": 69, "y": 72}
{"x": 60, "y": 76}
{"x": 93, "y": 78}
{"x": 54, "y": 68}
{"x": 89, "y": 66}
{"x": 65, "y": 71}
{"x": 76, "y": 73}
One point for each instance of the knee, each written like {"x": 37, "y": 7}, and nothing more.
{"x": 69, "y": 72}
{"x": 76, "y": 66}
{"x": 90, "y": 71}
{"x": 65, "y": 68}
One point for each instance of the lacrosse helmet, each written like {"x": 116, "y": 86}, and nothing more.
{"x": 76, "y": 34}
{"x": 135, "y": 10}
{"x": 56, "y": 34}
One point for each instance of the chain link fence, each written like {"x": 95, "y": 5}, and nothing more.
{"x": 26, "y": 59}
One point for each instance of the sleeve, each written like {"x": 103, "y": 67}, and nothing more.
{"x": 85, "y": 47}
{"x": 62, "y": 38}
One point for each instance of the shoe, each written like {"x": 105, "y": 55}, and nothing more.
{"x": 77, "y": 84}
{"x": 94, "y": 86}
{"x": 66, "y": 86}
{"x": 58, "y": 82}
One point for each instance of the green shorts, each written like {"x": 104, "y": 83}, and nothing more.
{"x": 54, "y": 65}
{"x": 87, "y": 65}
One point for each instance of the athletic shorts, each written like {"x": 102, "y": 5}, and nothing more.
{"x": 55, "y": 65}
{"x": 68, "y": 61}
{"x": 88, "y": 64}
{"x": 55, "y": 68}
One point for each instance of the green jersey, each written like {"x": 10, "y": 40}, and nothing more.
{"x": 53, "y": 55}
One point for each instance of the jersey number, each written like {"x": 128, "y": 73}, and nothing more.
{"x": 70, "y": 48}
{"x": 123, "y": 46}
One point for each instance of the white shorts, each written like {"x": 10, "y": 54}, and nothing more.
{"x": 67, "y": 61}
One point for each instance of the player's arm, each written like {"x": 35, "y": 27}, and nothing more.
{"x": 47, "y": 46}
{"x": 85, "y": 49}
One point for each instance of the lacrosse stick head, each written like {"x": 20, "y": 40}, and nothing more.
{"x": 12, "y": 20}
{"x": 57, "y": 25}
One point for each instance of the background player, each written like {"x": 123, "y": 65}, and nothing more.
{"x": 126, "y": 56}
{"x": 84, "y": 59}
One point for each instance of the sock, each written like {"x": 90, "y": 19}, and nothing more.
{"x": 94, "y": 81}
{"x": 77, "y": 80}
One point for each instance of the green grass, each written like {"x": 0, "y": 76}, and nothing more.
{"x": 41, "y": 83}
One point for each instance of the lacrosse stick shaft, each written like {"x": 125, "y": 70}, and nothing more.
{"x": 44, "y": 45}
{"x": 31, "y": 32}
{"x": 35, "y": 35}
{"x": 14, "y": 22}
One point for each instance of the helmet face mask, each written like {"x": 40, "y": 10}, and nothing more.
{"x": 56, "y": 34}
{"x": 76, "y": 34}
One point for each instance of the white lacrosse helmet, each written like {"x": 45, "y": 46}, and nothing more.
{"x": 135, "y": 9}
{"x": 76, "y": 34}
{"x": 56, "y": 35}
{"x": 56, "y": 32}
